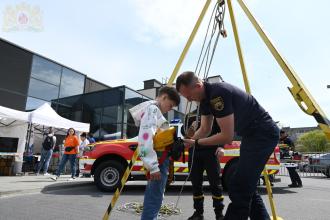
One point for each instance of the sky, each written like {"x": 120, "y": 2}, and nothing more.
{"x": 126, "y": 42}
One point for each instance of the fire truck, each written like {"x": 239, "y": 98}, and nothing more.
{"x": 107, "y": 161}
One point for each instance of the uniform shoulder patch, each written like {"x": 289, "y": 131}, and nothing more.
{"x": 217, "y": 103}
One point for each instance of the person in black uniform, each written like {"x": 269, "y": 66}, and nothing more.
{"x": 204, "y": 159}
{"x": 294, "y": 176}
{"x": 235, "y": 111}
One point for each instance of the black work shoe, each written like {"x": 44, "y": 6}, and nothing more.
{"x": 219, "y": 217}
{"x": 295, "y": 185}
{"x": 196, "y": 216}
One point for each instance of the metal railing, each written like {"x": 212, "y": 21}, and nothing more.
{"x": 308, "y": 164}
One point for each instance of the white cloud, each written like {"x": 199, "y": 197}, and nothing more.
{"x": 167, "y": 22}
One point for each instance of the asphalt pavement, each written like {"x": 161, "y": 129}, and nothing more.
{"x": 82, "y": 200}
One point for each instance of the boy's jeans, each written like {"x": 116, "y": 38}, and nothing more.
{"x": 154, "y": 193}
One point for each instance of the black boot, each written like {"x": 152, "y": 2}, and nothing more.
{"x": 196, "y": 216}
{"x": 218, "y": 214}
{"x": 199, "y": 208}
{"x": 218, "y": 206}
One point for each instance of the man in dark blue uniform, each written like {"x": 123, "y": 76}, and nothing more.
{"x": 200, "y": 160}
{"x": 235, "y": 111}
{"x": 294, "y": 176}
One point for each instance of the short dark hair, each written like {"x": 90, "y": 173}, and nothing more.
{"x": 83, "y": 135}
{"x": 186, "y": 79}
{"x": 171, "y": 93}
{"x": 282, "y": 132}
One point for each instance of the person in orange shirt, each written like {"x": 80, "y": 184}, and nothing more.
{"x": 71, "y": 144}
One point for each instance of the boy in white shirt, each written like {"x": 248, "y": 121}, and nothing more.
{"x": 149, "y": 116}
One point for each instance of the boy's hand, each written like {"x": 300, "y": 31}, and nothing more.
{"x": 155, "y": 176}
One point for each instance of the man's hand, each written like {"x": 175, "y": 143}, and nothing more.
{"x": 191, "y": 130}
{"x": 155, "y": 176}
{"x": 219, "y": 152}
{"x": 189, "y": 142}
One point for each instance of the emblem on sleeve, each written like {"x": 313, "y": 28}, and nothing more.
{"x": 217, "y": 103}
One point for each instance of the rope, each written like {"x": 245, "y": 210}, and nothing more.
{"x": 136, "y": 208}
{"x": 218, "y": 29}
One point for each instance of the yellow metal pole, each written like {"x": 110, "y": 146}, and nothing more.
{"x": 188, "y": 44}
{"x": 248, "y": 90}
{"x": 298, "y": 91}
{"x": 270, "y": 196}
{"x": 238, "y": 46}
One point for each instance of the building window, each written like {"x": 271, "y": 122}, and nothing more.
{"x": 132, "y": 98}
{"x": 33, "y": 103}
{"x": 72, "y": 83}
{"x": 42, "y": 90}
{"x": 46, "y": 70}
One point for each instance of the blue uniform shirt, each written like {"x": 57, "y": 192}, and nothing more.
{"x": 223, "y": 99}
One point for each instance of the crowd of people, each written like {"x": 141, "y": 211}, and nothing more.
{"x": 73, "y": 148}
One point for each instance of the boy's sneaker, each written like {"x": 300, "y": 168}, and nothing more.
{"x": 54, "y": 178}
{"x": 46, "y": 174}
{"x": 72, "y": 178}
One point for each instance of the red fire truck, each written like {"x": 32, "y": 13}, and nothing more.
{"x": 107, "y": 161}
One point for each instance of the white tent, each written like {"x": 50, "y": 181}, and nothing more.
{"x": 45, "y": 115}
{"x": 8, "y": 115}
{"x": 14, "y": 124}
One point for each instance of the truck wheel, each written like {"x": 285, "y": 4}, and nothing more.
{"x": 228, "y": 174}
{"x": 107, "y": 175}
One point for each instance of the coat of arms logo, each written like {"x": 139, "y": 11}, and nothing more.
{"x": 22, "y": 17}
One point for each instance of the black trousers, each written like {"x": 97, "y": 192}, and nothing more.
{"x": 294, "y": 176}
{"x": 255, "y": 150}
{"x": 206, "y": 160}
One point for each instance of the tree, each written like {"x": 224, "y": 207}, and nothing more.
{"x": 313, "y": 141}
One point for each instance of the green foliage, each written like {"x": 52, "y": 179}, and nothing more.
{"x": 313, "y": 141}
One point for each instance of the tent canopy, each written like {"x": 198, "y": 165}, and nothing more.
{"x": 44, "y": 115}
{"x": 8, "y": 115}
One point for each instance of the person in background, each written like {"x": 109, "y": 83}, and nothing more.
{"x": 84, "y": 142}
{"x": 46, "y": 152}
{"x": 71, "y": 144}
{"x": 90, "y": 138}
{"x": 200, "y": 160}
{"x": 294, "y": 176}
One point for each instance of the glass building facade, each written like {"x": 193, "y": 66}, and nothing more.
{"x": 50, "y": 81}
{"x": 106, "y": 111}
{"x": 30, "y": 80}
